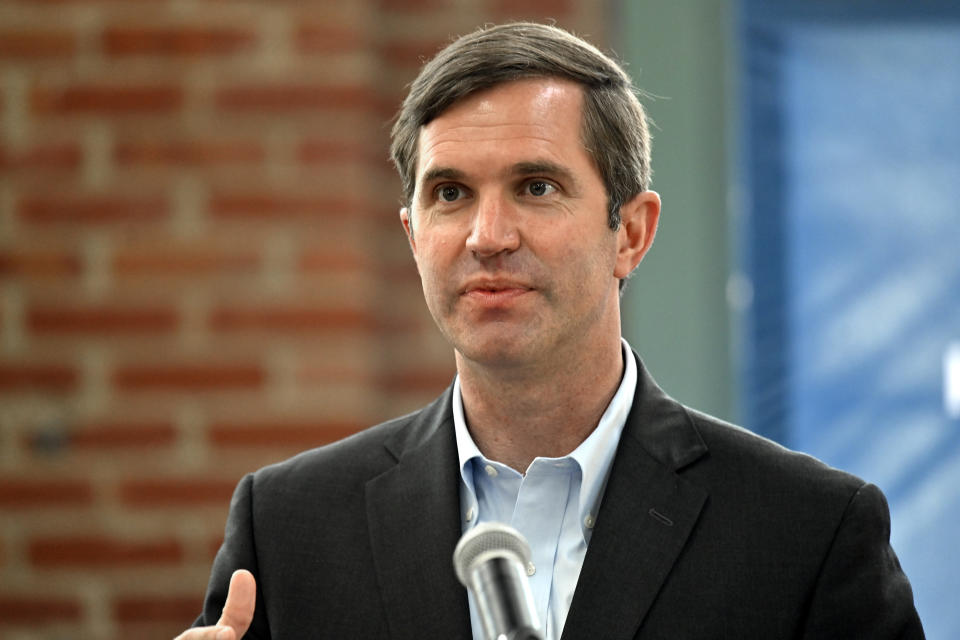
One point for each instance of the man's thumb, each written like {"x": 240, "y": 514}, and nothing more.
{"x": 241, "y": 598}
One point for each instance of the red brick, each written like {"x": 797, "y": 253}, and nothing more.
{"x": 157, "y": 608}
{"x": 35, "y": 43}
{"x": 402, "y": 274}
{"x": 288, "y": 97}
{"x": 106, "y": 99}
{"x": 290, "y": 319}
{"x": 102, "y": 551}
{"x": 39, "y": 264}
{"x": 183, "y": 153}
{"x": 189, "y": 377}
{"x": 192, "y": 262}
{"x": 326, "y": 261}
{"x": 417, "y": 381}
{"x": 40, "y": 157}
{"x": 402, "y": 320}
{"x": 101, "y": 320}
{"x": 177, "y": 492}
{"x": 92, "y": 209}
{"x": 181, "y": 40}
{"x": 325, "y": 38}
{"x": 409, "y": 53}
{"x": 388, "y": 105}
{"x": 317, "y": 372}
{"x": 99, "y": 437}
{"x": 279, "y": 434}
{"x": 22, "y": 493}
{"x": 315, "y": 152}
{"x": 45, "y": 377}
{"x": 278, "y": 204}
{"x": 122, "y": 436}
{"x": 38, "y": 609}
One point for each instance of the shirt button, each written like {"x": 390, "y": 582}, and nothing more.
{"x": 531, "y": 569}
{"x": 470, "y": 514}
{"x": 491, "y": 471}
{"x": 588, "y": 522}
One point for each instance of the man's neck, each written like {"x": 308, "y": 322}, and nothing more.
{"x": 543, "y": 410}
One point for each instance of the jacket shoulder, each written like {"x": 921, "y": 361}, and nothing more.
{"x": 361, "y": 456}
{"x": 356, "y": 458}
{"x": 741, "y": 461}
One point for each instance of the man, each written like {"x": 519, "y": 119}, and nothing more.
{"x": 524, "y": 156}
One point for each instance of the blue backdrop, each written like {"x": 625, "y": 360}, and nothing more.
{"x": 851, "y": 241}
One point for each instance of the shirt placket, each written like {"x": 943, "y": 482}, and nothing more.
{"x": 538, "y": 515}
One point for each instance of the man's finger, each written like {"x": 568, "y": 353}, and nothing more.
{"x": 241, "y": 598}
{"x": 208, "y": 633}
{"x": 237, "y": 611}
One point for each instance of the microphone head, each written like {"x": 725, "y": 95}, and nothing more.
{"x": 485, "y": 541}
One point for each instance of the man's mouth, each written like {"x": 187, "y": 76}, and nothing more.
{"x": 495, "y": 286}
{"x": 490, "y": 292}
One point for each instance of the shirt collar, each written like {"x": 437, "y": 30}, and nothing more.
{"x": 467, "y": 449}
{"x": 594, "y": 455}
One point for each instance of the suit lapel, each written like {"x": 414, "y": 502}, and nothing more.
{"x": 645, "y": 518}
{"x": 414, "y": 522}
{"x": 647, "y": 514}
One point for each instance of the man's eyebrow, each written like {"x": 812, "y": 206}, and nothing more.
{"x": 528, "y": 168}
{"x": 537, "y": 166}
{"x": 442, "y": 173}
{"x": 545, "y": 168}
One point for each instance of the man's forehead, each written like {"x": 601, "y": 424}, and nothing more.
{"x": 543, "y": 110}
{"x": 544, "y": 91}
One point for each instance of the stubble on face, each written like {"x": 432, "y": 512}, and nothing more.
{"x": 496, "y": 149}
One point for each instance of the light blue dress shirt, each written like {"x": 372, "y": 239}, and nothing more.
{"x": 554, "y": 504}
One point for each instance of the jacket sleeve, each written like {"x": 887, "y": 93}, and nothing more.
{"x": 238, "y": 551}
{"x": 861, "y": 591}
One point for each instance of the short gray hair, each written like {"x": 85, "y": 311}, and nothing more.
{"x": 615, "y": 129}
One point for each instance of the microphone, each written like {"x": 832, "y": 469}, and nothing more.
{"x": 490, "y": 561}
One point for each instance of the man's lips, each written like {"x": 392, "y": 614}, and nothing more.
{"x": 495, "y": 291}
{"x": 495, "y": 286}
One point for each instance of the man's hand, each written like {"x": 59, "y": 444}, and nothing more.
{"x": 237, "y": 612}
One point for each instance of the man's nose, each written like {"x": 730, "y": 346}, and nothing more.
{"x": 494, "y": 227}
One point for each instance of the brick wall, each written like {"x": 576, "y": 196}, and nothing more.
{"x": 202, "y": 271}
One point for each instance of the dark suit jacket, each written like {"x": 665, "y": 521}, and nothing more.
{"x": 705, "y": 531}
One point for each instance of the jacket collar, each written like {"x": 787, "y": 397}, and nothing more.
{"x": 413, "y": 512}
{"x": 647, "y": 513}
{"x": 646, "y": 516}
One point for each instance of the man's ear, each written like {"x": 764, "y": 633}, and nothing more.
{"x": 408, "y": 228}
{"x": 638, "y": 226}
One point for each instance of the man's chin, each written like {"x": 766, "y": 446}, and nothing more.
{"x": 501, "y": 352}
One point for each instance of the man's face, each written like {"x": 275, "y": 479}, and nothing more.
{"x": 508, "y": 225}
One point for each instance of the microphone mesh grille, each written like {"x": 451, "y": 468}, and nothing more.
{"x": 489, "y": 539}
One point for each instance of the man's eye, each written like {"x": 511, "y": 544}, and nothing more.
{"x": 539, "y": 188}
{"x": 449, "y": 193}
